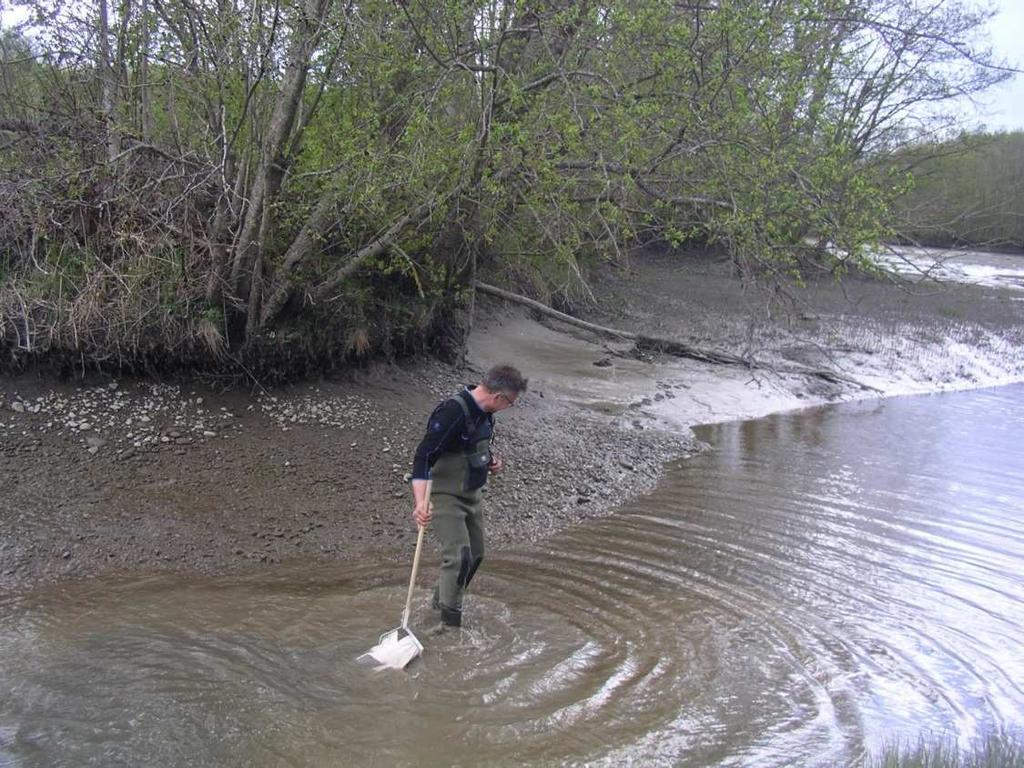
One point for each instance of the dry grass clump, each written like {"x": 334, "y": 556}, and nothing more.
{"x": 108, "y": 316}
{"x": 147, "y": 312}
{"x": 999, "y": 750}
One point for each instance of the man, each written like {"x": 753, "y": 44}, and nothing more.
{"x": 456, "y": 454}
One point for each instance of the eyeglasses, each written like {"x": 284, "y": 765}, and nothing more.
{"x": 507, "y": 399}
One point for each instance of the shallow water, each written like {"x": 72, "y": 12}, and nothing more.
{"x": 819, "y": 583}
{"x": 991, "y": 270}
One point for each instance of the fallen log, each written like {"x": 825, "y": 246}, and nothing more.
{"x": 669, "y": 346}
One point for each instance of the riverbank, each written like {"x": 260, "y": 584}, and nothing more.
{"x": 136, "y": 477}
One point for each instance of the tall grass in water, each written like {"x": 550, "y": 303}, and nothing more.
{"x": 994, "y": 751}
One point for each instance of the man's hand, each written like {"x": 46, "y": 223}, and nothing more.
{"x": 422, "y": 514}
{"x": 496, "y": 465}
{"x": 422, "y": 510}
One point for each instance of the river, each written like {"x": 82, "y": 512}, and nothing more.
{"x": 819, "y": 584}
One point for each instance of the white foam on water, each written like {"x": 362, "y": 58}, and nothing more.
{"x": 991, "y": 270}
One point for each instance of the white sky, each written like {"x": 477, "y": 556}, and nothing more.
{"x": 1001, "y": 108}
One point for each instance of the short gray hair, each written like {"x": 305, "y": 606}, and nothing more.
{"x": 505, "y": 378}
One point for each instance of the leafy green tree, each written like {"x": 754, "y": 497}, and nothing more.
{"x": 229, "y": 177}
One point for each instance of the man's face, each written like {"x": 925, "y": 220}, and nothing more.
{"x": 505, "y": 400}
{"x": 499, "y": 401}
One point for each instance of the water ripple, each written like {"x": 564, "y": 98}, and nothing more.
{"x": 818, "y": 584}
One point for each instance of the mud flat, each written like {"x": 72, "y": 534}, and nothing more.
{"x": 115, "y": 476}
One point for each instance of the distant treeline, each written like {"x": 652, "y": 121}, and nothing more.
{"x": 967, "y": 192}
{"x": 285, "y": 185}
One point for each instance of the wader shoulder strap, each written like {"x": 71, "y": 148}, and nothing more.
{"x": 471, "y": 425}
{"x": 462, "y": 404}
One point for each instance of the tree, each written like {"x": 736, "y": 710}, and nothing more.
{"x": 966, "y": 191}
{"x": 336, "y": 172}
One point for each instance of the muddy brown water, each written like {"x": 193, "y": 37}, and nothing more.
{"x": 819, "y": 584}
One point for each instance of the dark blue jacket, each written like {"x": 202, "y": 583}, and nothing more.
{"x": 450, "y": 430}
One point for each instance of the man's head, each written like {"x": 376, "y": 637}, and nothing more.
{"x": 500, "y": 387}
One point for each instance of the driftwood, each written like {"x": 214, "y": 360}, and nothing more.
{"x": 670, "y": 346}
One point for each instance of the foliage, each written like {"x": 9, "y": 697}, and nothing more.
{"x": 968, "y": 191}
{"x": 214, "y": 177}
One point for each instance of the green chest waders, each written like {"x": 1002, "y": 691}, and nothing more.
{"x": 458, "y": 477}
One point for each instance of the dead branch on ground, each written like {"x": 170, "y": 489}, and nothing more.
{"x": 671, "y": 346}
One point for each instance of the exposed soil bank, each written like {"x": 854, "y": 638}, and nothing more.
{"x": 125, "y": 476}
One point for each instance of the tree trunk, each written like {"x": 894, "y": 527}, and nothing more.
{"x": 377, "y": 246}
{"x": 106, "y": 80}
{"x": 221, "y": 230}
{"x": 319, "y": 221}
{"x": 271, "y": 168}
{"x": 146, "y": 106}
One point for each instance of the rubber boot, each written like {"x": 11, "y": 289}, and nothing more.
{"x": 451, "y": 617}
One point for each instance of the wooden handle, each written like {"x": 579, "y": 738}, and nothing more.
{"x": 415, "y": 566}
